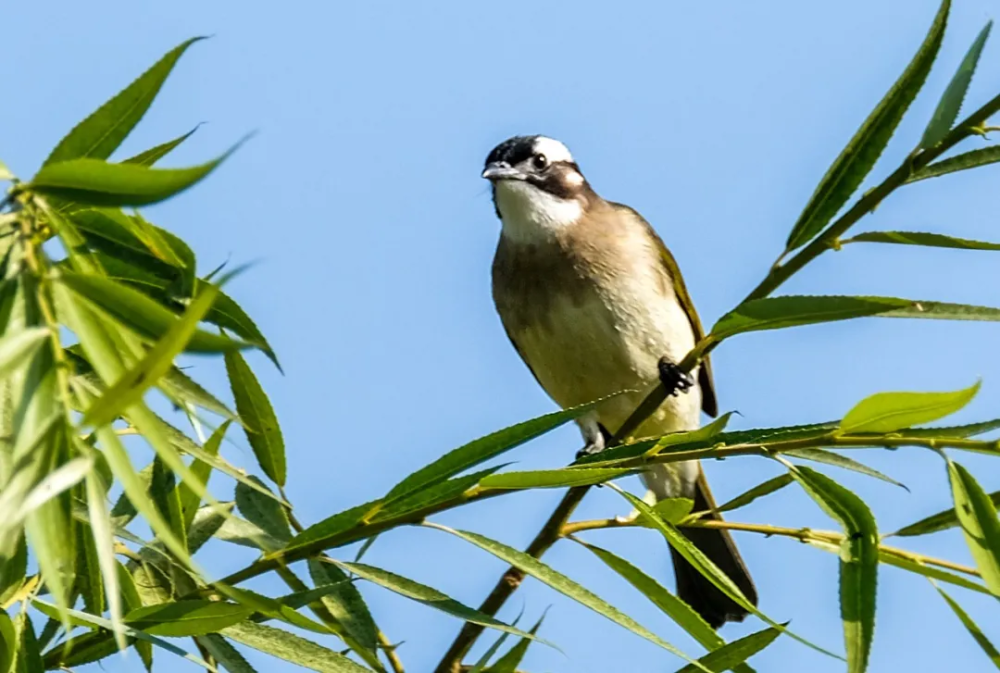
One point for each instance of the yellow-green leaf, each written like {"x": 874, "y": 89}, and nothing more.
{"x": 978, "y": 517}
{"x": 259, "y": 419}
{"x": 890, "y": 412}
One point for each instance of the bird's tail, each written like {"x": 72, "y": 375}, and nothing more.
{"x": 693, "y": 587}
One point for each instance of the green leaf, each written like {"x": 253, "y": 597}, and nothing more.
{"x": 890, "y": 412}
{"x": 16, "y": 348}
{"x": 481, "y": 450}
{"x": 921, "y": 238}
{"x": 186, "y": 618}
{"x": 837, "y": 460}
{"x": 157, "y": 361}
{"x": 956, "y": 431}
{"x": 139, "y": 313}
{"x": 242, "y": 532}
{"x": 951, "y": 102}
{"x": 863, "y": 151}
{"x": 345, "y": 603}
{"x": 99, "y": 183}
{"x": 8, "y": 642}
{"x": 758, "y": 491}
{"x": 978, "y": 517}
{"x": 154, "y": 154}
{"x": 259, "y": 420}
{"x": 184, "y": 391}
{"x": 224, "y": 653}
{"x": 131, "y": 601}
{"x": 206, "y": 523}
{"x": 441, "y": 493}
{"x": 702, "y": 434}
{"x": 960, "y": 162}
{"x": 792, "y": 311}
{"x": 189, "y": 500}
{"x": 424, "y": 594}
{"x": 859, "y": 556}
{"x": 973, "y": 628}
{"x": 671, "y": 510}
{"x": 564, "y": 585}
{"x": 291, "y": 648}
{"x": 226, "y": 313}
{"x": 938, "y": 522}
{"x": 29, "y": 656}
{"x": 673, "y": 607}
{"x": 263, "y": 512}
{"x": 102, "y": 132}
{"x": 13, "y": 571}
{"x": 553, "y": 478}
{"x": 735, "y": 653}
{"x": 509, "y": 662}
{"x": 164, "y": 494}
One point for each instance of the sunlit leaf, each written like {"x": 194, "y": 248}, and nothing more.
{"x": 154, "y": 154}
{"x": 102, "y": 132}
{"x": 291, "y": 648}
{"x": 259, "y": 419}
{"x": 553, "y": 478}
{"x": 862, "y": 152}
{"x": 890, "y": 412}
{"x": 186, "y": 618}
{"x": 978, "y": 518}
{"x": 951, "y": 101}
{"x": 858, "y": 561}
{"x": 225, "y": 654}
{"x": 439, "y": 494}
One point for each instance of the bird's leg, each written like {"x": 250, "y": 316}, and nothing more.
{"x": 674, "y": 379}
{"x": 597, "y": 437}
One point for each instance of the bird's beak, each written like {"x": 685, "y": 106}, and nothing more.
{"x": 501, "y": 170}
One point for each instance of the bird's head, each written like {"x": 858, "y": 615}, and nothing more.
{"x": 537, "y": 186}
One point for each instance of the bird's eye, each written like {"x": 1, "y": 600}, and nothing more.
{"x": 540, "y": 161}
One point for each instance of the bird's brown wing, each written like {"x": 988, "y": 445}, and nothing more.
{"x": 709, "y": 404}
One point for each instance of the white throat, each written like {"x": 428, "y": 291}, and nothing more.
{"x": 530, "y": 214}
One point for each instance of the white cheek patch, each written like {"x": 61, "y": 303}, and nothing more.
{"x": 531, "y": 214}
{"x": 552, "y": 149}
{"x": 573, "y": 179}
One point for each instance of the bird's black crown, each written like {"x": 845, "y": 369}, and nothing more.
{"x": 513, "y": 150}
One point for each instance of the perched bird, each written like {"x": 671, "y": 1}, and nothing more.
{"x": 594, "y": 304}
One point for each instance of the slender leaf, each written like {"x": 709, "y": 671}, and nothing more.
{"x": 509, "y": 662}
{"x": 29, "y": 656}
{"x": 938, "y": 522}
{"x": 186, "y": 618}
{"x": 960, "y": 162}
{"x": 890, "y": 412}
{"x": 226, "y": 313}
{"x": 154, "y": 154}
{"x": 951, "y": 102}
{"x": 189, "y": 500}
{"x": 102, "y": 132}
{"x": 792, "y": 311}
{"x": 8, "y": 642}
{"x": 444, "y": 492}
{"x": 702, "y": 434}
{"x": 291, "y": 648}
{"x": 921, "y": 238}
{"x": 978, "y": 518}
{"x": 758, "y": 491}
{"x": 225, "y": 654}
{"x": 103, "y": 537}
{"x": 564, "y": 585}
{"x": 138, "y": 312}
{"x": 956, "y": 431}
{"x": 858, "y": 560}
{"x": 345, "y": 604}
{"x": 98, "y": 183}
{"x": 736, "y": 652}
{"x": 973, "y": 628}
{"x": 16, "y": 348}
{"x": 259, "y": 419}
{"x": 863, "y": 151}
{"x": 837, "y": 460}
{"x": 553, "y": 478}
{"x": 263, "y": 512}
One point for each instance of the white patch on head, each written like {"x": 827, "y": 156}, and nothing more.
{"x": 552, "y": 149}
{"x": 531, "y": 214}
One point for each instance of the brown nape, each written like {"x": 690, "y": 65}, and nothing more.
{"x": 694, "y": 588}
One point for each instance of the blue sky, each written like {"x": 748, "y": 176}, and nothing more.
{"x": 361, "y": 200}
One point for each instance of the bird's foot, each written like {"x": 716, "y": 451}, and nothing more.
{"x": 596, "y": 442}
{"x": 674, "y": 379}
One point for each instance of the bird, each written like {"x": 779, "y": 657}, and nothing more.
{"x": 594, "y": 304}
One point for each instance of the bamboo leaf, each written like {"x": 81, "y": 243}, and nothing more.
{"x": 564, "y": 585}
{"x": 186, "y": 618}
{"x": 837, "y": 460}
{"x": 553, "y": 478}
{"x": 102, "y": 132}
{"x": 973, "y": 628}
{"x": 157, "y": 361}
{"x": 99, "y": 183}
{"x": 890, "y": 412}
{"x": 960, "y": 162}
{"x": 736, "y": 652}
{"x": 291, "y": 648}
{"x": 978, "y": 518}
{"x": 863, "y": 151}
{"x": 859, "y": 558}
{"x": 938, "y": 522}
{"x": 951, "y": 102}
{"x": 259, "y": 419}
{"x": 154, "y": 154}
{"x": 921, "y": 238}
{"x": 139, "y": 313}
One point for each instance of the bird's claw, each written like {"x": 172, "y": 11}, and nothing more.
{"x": 674, "y": 379}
